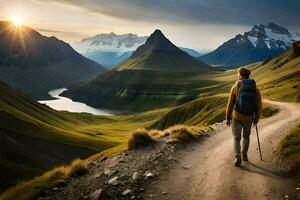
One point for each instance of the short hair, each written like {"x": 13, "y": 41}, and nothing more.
{"x": 244, "y": 72}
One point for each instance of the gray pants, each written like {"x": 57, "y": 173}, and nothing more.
{"x": 237, "y": 127}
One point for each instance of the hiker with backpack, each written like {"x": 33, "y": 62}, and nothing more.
{"x": 243, "y": 109}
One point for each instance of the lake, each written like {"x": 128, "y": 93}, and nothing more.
{"x": 66, "y": 104}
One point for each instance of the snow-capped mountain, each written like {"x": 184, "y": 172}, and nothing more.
{"x": 259, "y": 43}
{"x": 111, "y": 49}
{"x": 273, "y": 36}
{"x": 110, "y": 43}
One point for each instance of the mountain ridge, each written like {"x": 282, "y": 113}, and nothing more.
{"x": 111, "y": 49}
{"x": 261, "y": 42}
{"x": 35, "y": 64}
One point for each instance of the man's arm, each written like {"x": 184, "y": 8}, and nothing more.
{"x": 259, "y": 107}
{"x": 230, "y": 106}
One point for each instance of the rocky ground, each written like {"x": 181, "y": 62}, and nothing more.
{"x": 124, "y": 175}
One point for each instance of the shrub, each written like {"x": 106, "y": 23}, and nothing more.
{"x": 140, "y": 137}
{"x": 268, "y": 111}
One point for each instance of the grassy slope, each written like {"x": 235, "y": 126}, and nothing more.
{"x": 140, "y": 90}
{"x": 290, "y": 148}
{"x": 33, "y": 135}
{"x": 201, "y": 112}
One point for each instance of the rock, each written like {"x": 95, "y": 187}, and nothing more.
{"x": 151, "y": 195}
{"x": 135, "y": 176}
{"x": 126, "y": 192}
{"x": 61, "y": 184}
{"x": 107, "y": 172}
{"x": 298, "y": 189}
{"x": 85, "y": 197}
{"x": 97, "y": 175}
{"x": 296, "y": 49}
{"x": 55, "y": 189}
{"x": 103, "y": 158}
{"x": 132, "y": 197}
{"x": 149, "y": 174}
{"x": 164, "y": 193}
{"x": 186, "y": 166}
{"x": 286, "y": 196}
{"x": 96, "y": 195}
{"x": 94, "y": 162}
{"x": 113, "y": 181}
{"x": 142, "y": 189}
{"x": 110, "y": 172}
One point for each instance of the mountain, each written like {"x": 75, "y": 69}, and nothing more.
{"x": 157, "y": 74}
{"x": 191, "y": 52}
{"x": 279, "y": 77}
{"x": 36, "y": 64}
{"x": 111, "y": 49}
{"x": 261, "y": 42}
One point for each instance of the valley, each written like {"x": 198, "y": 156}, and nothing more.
{"x": 95, "y": 111}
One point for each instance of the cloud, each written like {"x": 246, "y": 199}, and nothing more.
{"x": 72, "y": 35}
{"x": 239, "y": 12}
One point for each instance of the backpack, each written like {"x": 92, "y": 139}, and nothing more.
{"x": 247, "y": 99}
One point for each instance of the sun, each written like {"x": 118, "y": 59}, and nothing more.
{"x": 17, "y": 20}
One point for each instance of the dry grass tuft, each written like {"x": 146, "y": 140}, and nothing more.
{"x": 158, "y": 133}
{"x": 177, "y": 133}
{"x": 140, "y": 137}
{"x": 78, "y": 168}
{"x": 184, "y": 133}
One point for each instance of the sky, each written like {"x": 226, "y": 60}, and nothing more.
{"x": 198, "y": 24}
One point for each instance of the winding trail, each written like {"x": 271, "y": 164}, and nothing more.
{"x": 212, "y": 175}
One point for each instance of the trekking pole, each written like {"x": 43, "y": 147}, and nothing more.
{"x": 258, "y": 142}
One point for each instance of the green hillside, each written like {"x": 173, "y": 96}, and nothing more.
{"x": 158, "y": 74}
{"x": 35, "y": 138}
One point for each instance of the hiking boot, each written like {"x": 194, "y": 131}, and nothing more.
{"x": 238, "y": 161}
{"x": 245, "y": 158}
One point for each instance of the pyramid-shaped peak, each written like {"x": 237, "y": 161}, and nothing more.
{"x": 157, "y": 32}
{"x": 155, "y": 42}
{"x": 157, "y": 35}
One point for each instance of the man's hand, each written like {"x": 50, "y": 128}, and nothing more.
{"x": 228, "y": 122}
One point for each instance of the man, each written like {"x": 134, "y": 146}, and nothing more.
{"x": 244, "y": 108}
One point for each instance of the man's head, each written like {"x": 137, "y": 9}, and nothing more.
{"x": 243, "y": 73}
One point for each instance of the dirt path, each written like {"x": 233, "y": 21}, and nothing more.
{"x": 211, "y": 174}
